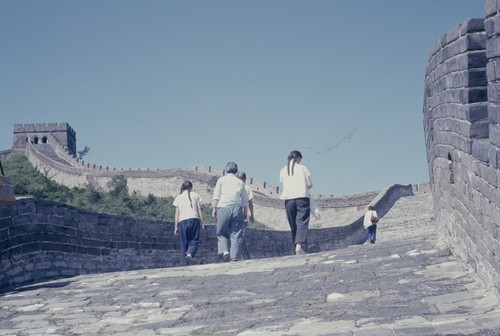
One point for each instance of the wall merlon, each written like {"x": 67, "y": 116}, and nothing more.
{"x": 494, "y": 130}
{"x": 490, "y": 7}
{"x": 472, "y": 26}
{"x": 492, "y": 26}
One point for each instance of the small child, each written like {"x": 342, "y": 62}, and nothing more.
{"x": 370, "y": 223}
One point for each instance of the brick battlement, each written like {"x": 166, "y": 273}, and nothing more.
{"x": 44, "y": 127}
{"x": 462, "y": 135}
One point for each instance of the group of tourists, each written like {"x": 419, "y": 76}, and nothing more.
{"x": 232, "y": 206}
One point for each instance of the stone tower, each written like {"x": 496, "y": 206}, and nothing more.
{"x": 41, "y": 133}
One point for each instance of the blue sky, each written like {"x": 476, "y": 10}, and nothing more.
{"x": 181, "y": 83}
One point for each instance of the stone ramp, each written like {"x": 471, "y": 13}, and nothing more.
{"x": 407, "y": 284}
{"x": 48, "y": 151}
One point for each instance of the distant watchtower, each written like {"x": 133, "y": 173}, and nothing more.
{"x": 40, "y": 134}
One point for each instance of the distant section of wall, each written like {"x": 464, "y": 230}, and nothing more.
{"x": 54, "y": 162}
{"x": 5, "y": 154}
{"x": 39, "y": 133}
{"x": 462, "y": 137}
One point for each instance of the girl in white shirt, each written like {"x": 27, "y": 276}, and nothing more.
{"x": 188, "y": 220}
{"x": 296, "y": 180}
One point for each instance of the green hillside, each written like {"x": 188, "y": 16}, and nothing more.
{"x": 29, "y": 182}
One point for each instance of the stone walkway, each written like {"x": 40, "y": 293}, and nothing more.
{"x": 408, "y": 283}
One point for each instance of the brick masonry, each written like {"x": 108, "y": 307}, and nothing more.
{"x": 45, "y": 240}
{"x": 462, "y": 132}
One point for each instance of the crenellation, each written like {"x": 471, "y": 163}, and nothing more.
{"x": 462, "y": 139}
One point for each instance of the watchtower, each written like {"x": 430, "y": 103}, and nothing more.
{"x": 40, "y": 133}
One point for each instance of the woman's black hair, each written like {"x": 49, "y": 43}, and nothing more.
{"x": 187, "y": 185}
{"x": 294, "y": 155}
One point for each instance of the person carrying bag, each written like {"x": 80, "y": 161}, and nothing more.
{"x": 7, "y": 195}
{"x": 370, "y": 221}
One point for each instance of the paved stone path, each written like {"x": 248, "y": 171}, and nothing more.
{"x": 408, "y": 283}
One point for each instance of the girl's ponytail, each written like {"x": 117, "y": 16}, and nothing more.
{"x": 187, "y": 185}
{"x": 294, "y": 155}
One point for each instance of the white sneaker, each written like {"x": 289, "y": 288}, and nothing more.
{"x": 299, "y": 250}
{"x": 317, "y": 213}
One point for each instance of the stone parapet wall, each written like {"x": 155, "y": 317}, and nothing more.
{"x": 5, "y": 154}
{"x": 335, "y": 212}
{"x": 460, "y": 119}
{"x": 46, "y": 240}
{"x": 492, "y": 26}
{"x": 40, "y": 240}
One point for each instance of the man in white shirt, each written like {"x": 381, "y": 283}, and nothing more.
{"x": 229, "y": 206}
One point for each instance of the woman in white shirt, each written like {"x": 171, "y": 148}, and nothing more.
{"x": 296, "y": 180}
{"x": 188, "y": 220}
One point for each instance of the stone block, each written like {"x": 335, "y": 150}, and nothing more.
{"x": 491, "y": 211}
{"x": 494, "y": 130}
{"x": 479, "y": 130}
{"x": 44, "y": 265}
{"x": 490, "y": 8}
{"x": 474, "y": 25}
{"x": 494, "y": 159}
{"x": 25, "y": 207}
{"x": 456, "y": 61}
{"x": 455, "y": 140}
{"x": 477, "y": 77}
{"x": 488, "y": 193}
{"x": 489, "y": 174}
{"x": 477, "y": 42}
{"x": 494, "y": 92}
{"x": 494, "y": 113}
{"x": 477, "y": 59}
{"x": 492, "y": 70}
{"x": 451, "y": 35}
{"x": 476, "y": 112}
{"x": 477, "y": 95}
{"x": 493, "y": 46}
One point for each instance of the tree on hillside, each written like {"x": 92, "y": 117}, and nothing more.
{"x": 118, "y": 185}
{"x": 83, "y": 152}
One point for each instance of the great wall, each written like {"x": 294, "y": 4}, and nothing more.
{"x": 51, "y": 148}
{"x": 42, "y": 239}
{"x": 461, "y": 117}
{"x": 462, "y": 134}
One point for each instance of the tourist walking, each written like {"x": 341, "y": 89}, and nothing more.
{"x": 249, "y": 218}
{"x": 296, "y": 180}
{"x": 229, "y": 206}
{"x": 188, "y": 221}
{"x": 370, "y": 223}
